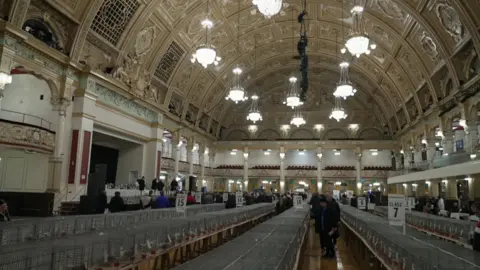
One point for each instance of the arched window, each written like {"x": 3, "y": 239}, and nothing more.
{"x": 42, "y": 31}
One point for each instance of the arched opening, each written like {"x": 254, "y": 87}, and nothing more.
{"x": 42, "y": 31}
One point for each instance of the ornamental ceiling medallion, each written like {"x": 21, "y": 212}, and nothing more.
{"x": 390, "y": 9}
{"x": 450, "y": 21}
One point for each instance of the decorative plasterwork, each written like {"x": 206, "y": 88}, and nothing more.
{"x": 256, "y": 173}
{"x": 292, "y": 144}
{"x": 26, "y": 136}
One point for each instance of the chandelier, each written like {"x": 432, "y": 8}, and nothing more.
{"x": 268, "y": 8}
{"x": 344, "y": 87}
{"x": 254, "y": 113}
{"x": 206, "y": 54}
{"x": 237, "y": 93}
{"x": 297, "y": 119}
{"x": 358, "y": 42}
{"x": 338, "y": 113}
{"x": 293, "y": 98}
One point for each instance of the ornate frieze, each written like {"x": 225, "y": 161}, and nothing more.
{"x": 27, "y": 136}
{"x": 345, "y": 174}
{"x": 196, "y": 169}
{"x": 183, "y": 167}
{"x": 168, "y": 164}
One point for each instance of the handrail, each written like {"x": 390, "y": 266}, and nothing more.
{"x": 78, "y": 192}
{"x": 62, "y": 194}
{"x": 43, "y": 123}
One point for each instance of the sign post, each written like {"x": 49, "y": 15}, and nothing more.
{"x": 396, "y": 210}
{"x": 181, "y": 203}
{"x": 297, "y": 201}
{"x": 410, "y": 203}
{"x": 198, "y": 197}
{"x": 225, "y": 197}
{"x": 239, "y": 199}
{"x": 362, "y": 203}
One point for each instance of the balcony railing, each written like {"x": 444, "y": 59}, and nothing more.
{"x": 27, "y": 119}
{"x": 437, "y": 162}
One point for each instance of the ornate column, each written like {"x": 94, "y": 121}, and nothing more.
{"x": 398, "y": 161}
{"x": 282, "y": 169}
{"x": 18, "y": 12}
{"x": 358, "y": 167}
{"x": 55, "y": 162}
{"x": 447, "y": 132}
{"x": 201, "y": 160}
{"x": 6, "y": 60}
{"x": 471, "y": 136}
{"x": 431, "y": 149}
{"x": 434, "y": 189}
{"x": 245, "y": 167}
{"x": 176, "y": 146}
{"x": 452, "y": 192}
{"x": 319, "y": 169}
{"x": 409, "y": 190}
{"x": 154, "y": 152}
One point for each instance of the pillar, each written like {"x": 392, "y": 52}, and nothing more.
{"x": 471, "y": 136}
{"x": 56, "y": 160}
{"x": 398, "y": 161}
{"x": 319, "y": 169}
{"x": 431, "y": 149}
{"x": 407, "y": 154}
{"x": 452, "y": 192}
{"x": 201, "y": 160}
{"x": 190, "y": 152}
{"x": 399, "y": 188}
{"x": 81, "y": 144}
{"x": 447, "y": 142}
{"x": 409, "y": 190}
{"x": 154, "y": 153}
{"x": 245, "y": 166}
{"x": 282, "y": 169}
{"x": 176, "y": 146}
{"x": 6, "y": 60}
{"x": 358, "y": 167}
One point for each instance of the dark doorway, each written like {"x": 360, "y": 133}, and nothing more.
{"x": 107, "y": 156}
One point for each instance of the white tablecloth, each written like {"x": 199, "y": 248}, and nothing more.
{"x": 459, "y": 215}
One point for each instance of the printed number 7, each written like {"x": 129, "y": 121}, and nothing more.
{"x": 396, "y": 211}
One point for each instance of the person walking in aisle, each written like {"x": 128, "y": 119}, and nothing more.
{"x": 327, "y": 225}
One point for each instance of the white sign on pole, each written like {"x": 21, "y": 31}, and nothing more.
{"x": 181, "y": 203}
{"x": 410, "y": 203}
{"x": 396, "y": 209}
{"x": 362, "y": 203}
{"x": 336, "y": 195}
{"x": 349, "y": 194}
{"x": 225, "y": 197}
{"x": 297, "y": 201}
{"x": 198, "y": 197}
{"x": 239, "y": 199}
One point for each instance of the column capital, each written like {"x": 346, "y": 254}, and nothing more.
{"x": 60, "y": 104}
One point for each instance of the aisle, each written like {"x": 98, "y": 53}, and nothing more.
{"x": 312, "y": 257}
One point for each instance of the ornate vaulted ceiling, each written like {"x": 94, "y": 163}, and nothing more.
{"x": 425, "y": 49}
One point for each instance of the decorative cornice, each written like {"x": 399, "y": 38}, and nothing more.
{"x": 304, "y": 144}
{"x": 26, "y": 136}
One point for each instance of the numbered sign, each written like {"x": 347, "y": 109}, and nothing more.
{"x": 349, "y": 194}
{"x": 410, "y": 203}
{"x": 362, "y": 203}
{"x": 396, "y": 209}
{"x": 181, "y": 203}
{"x": 225, "y": 197}
{"x": 297, "y": 201}
{"x": 198, "y": 197}
{"x": 239, "y": 199}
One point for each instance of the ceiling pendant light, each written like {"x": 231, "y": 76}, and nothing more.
{"x": 344, "y": 87}
{"x": 297, "y": 119}
{"x": 206, "y": 54}
{"x": 237, "y": 92}
{"x": 358, "y": 42}
{"x": 338, "y": 113}
{"x": 254, "y": 114}
{"x": 268, "y": 8}
{"x": 293, "y": 98}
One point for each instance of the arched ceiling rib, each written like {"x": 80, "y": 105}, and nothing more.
{"x": 416, "y": 39}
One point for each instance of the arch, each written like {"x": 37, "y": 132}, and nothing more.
{"x": 335, "y": 134}
{"x": 302, "y": 134}
{"x": 370, "y": 133}
{"x": 269, "y": 134}
{"x": 237, "y": 135}
{"x": 43, "y": 31}
{"x": 19, "y": 70}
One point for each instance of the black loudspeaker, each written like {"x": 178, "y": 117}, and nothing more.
{"x": 87, "y": 204}
{"x": 192, "y": 183}
{"x": 96, "y": 180}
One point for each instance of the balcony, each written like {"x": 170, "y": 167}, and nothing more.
{"x": 312, "y": 174}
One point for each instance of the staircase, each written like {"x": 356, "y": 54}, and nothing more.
{"x": 69, "y": 208}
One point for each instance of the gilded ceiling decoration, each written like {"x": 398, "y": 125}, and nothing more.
{"x": 146, "y": 45}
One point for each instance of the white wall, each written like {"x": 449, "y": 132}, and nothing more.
{"x": 129, "y": 159}
{"x": 383, "y": 158}
{"x": 107, "y": 118}
{"x": 226, "y": 158}
{"x": 23, "y": 172}
{"x": 258, "y": 157}
{"x": 295, "y": 158}
{"x": 23, "y": 96}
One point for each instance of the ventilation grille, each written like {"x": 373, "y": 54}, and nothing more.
{"x": 168, "y": 62}
{"x": 113, "y": 17}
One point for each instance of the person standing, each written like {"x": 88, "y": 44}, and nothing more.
{"x": 327, "y": 226}
{"x": 4, "y": 215}
{"x": 476, "y": 233}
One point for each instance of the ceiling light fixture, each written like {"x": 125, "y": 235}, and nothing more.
{"x": 254, "y": 115}
{"x": 237, "y": 92}
{"x": 344, "y": 87}
{"x": 338, "y": 113}
{"x": 268, "y": 8}
{"x": 358, "y": 43}
{"x": 206, "y": 54}
{"x": 293, "y": 98}
{"x": 297, "y": 119}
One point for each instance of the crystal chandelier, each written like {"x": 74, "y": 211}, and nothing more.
{"x": 206, "y": 54}
{"x": 358, "y": 42}
{"x": 297, "y": 119}
{"x": 254, "y": 114}
{"x": 344, "y": 87}
{"x": 338, "y": 113}
{"x": 268, "y": 8}
{"x": 237, "y": 93}
{"x": 293, "y": 98}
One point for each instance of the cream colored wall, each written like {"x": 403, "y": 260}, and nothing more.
{"x": 130, "y": 159}
{"x": 23, "y": 172}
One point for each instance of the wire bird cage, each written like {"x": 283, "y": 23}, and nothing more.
{"x": 72, "y": 243}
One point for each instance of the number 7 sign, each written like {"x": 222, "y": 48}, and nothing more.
{"x": 396, "y": 209}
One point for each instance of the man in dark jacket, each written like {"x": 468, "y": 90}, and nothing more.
{"x": 327, "y": 225}
{"x": 335, "y": 207}
{"x": 4, "y": 215}
{"x": 117, "y": 204}
{"x": 476, "y": 234}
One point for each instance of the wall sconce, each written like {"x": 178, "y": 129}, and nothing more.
{"x": 336, "y": 153}
{"x": 405, "y": 185}
{"x": 462, "y": 122}
{"x": 245, "y": 155}
{"x": 285, "y": 129}
{"x": 374, "y": 153}
{"x": 231, "y": 181}
{"x": 359, "y": 185}
{"x": 445, "y": 181}
{"x": 301, "y": 152}
{"x": 414, "y": 185}
{"x": 252, "y": 128}
{"x": 401, "y": 151}
{"x": 424, "y": 141}
{"x": 264, "y": 182}
{"x": 353, "y": 128}
{"x": 282, "y": 155}
{"x": 473, "y": 156}
{"x": 319, "y": 156}
{"x": 319, "y": 128}
{"x": 428, "y": 182}
{"x": 468, "y": 179}
{"x": 338, "y": 183}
